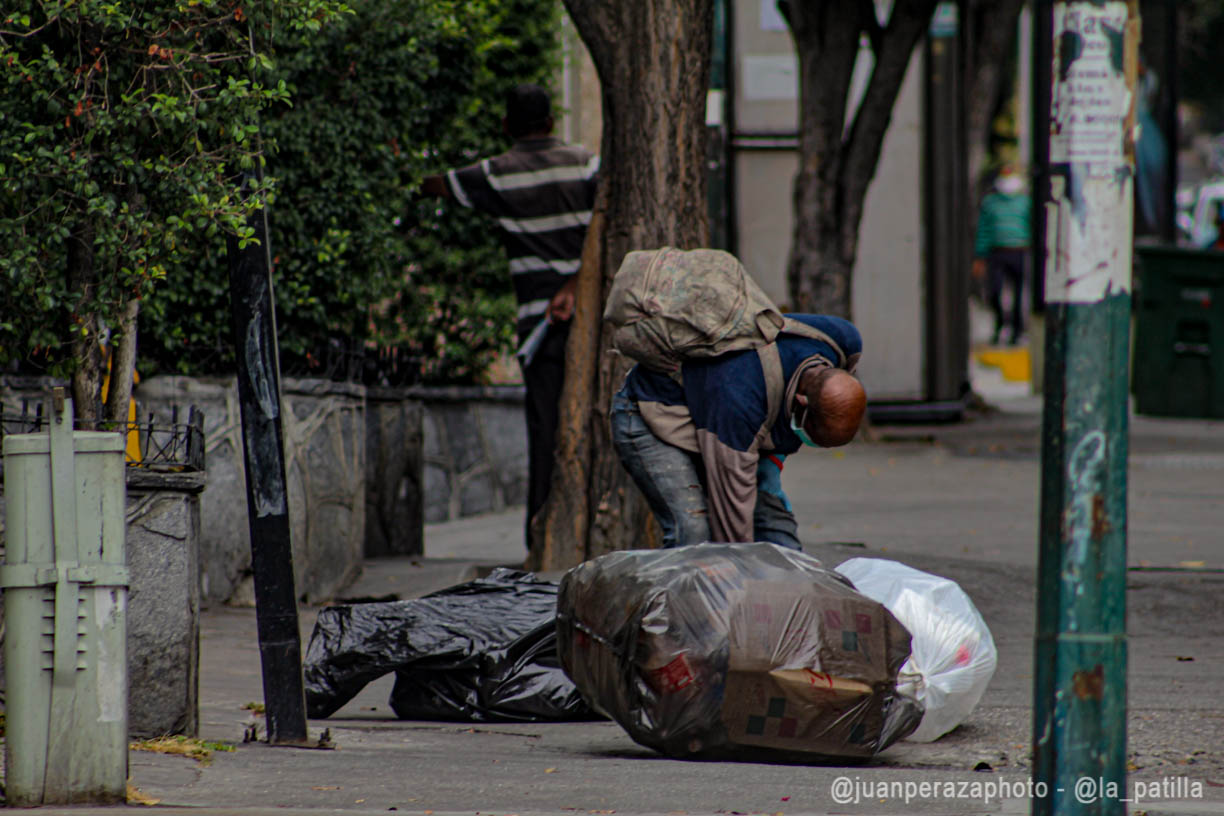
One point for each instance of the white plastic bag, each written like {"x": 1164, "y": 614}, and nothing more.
{"x": 953, "y": 655}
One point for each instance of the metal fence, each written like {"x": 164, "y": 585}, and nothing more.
{"x": 176, "y": 446}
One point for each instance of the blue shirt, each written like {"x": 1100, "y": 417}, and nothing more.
{"x": 721, "y": 404}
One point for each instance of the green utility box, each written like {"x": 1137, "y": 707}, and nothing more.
{"x": 65, "y": 596}
{"x": 1178, "y": 363}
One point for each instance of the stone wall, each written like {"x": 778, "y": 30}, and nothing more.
{"x": 475, "y": 450}
{"x": 325, "y": 462}
{"x": 394, "y": 467}
{"x": 163, "y": 624}
{"x": 367, "y": 468}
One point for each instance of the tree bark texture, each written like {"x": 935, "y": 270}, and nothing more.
{"x": 838, "y": 154}
{"x": 122, "y": 365}
{"x": 86, "y": 347}
{"x": 653, "y": 61}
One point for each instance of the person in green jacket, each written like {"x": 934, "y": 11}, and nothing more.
{"x": 1001, "y": 249}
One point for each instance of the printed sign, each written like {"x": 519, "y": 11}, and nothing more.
{"x": 1090, "y": 212}
{"x": 673, "y": 677}
{"x": 1090, "y": 99}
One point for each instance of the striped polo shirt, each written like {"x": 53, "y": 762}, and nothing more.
{"x": 541, "y": 192}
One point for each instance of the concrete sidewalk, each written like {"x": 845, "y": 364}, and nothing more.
{"x": 958, "y": 500}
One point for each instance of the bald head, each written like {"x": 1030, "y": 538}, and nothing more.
{"x": 830, "y": 402}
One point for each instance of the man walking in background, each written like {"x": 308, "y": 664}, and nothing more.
{"x": 541, "y": 193}
{"x": 1001, "y": 249}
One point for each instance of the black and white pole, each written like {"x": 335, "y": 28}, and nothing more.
{"x": 259, "y": 396}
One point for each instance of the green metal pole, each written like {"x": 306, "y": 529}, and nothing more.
{"x": 1079, "y": 705}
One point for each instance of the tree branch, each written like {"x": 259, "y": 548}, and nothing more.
{"x": 866, "y": 135}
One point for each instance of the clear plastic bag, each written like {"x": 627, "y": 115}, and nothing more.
{"x": 734, "y": 650}
{"x": 953, "y": 655}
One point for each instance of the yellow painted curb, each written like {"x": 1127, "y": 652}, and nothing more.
{"x": 1014, "y": 363}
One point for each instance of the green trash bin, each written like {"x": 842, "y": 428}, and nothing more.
{"x": 1178, "y": 365}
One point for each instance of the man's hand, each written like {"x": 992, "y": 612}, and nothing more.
{"x": 435, "y": 186}
{"x": 561, "y": 307}
{"x": 979, "y": 268}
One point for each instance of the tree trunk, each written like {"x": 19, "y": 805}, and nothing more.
{"x": 86, "y": 345}
{"x": 990, "y": 35}
{"x": 838, "y": 156}
{"x": 122, "y": 365}
{"x": 653, "y": 61}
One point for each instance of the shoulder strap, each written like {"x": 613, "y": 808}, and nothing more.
{"x": 792, "y": 326}
{"x": 771, "y": 364}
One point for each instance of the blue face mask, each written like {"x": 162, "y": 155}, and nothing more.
{"x": 797, "y": 427}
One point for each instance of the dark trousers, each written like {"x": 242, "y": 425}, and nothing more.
{"x": 1007, "y": 268}
{"x": 543, "y": 379}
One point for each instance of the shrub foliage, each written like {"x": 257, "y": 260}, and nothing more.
{"x": 123, "y": 127}
{"x": 398, "y": 89}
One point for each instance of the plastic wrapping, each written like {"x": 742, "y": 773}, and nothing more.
{"x": 481, "y": 651}
{"x": 734, "y": 650}
{"x": 953, "y": 656}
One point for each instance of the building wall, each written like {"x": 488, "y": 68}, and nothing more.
{"x": 581, "y": 110}
{"x": 889, "y": 273}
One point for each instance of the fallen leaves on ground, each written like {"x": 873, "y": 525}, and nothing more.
{"x": 197, "y": 749}
{"x": 135, "y": 797}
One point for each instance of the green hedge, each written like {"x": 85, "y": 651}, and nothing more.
{"x": 120, "y": 127}
{"x": 396, "y": 90}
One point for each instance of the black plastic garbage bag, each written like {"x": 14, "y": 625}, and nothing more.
{"x": 481, "y": 651}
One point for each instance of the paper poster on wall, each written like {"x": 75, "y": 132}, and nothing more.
{"x": 1089, "y": 214}
{"x": 770, "y": 78}
{"x": 1089, "y": 98}
{"x": 1088, "y": 240}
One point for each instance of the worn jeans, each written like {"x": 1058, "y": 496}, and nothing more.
{"x": 673, "y": 481}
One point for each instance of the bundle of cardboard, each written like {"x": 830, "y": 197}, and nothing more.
{"x": 734, "y": 649}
